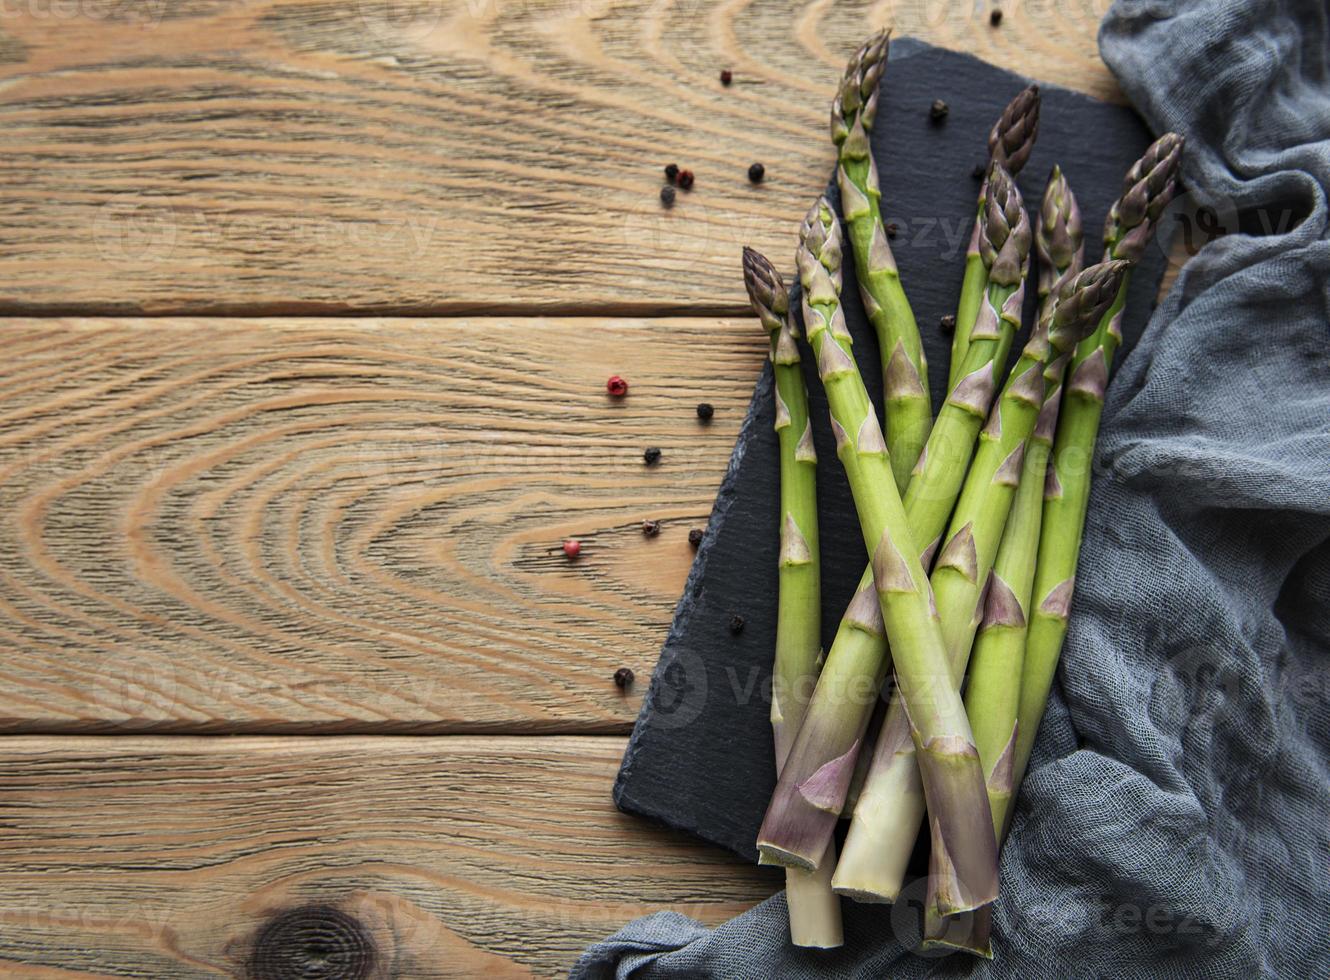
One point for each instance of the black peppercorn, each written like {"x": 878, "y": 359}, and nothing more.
{"x": 938, "y": 110}
{"x": 651, "y": 456}
{"x": 623, "y": 678}
{"x": 726, "y": 76}
{"x": 756, "y": 172}
{"x": 892, "y": 229}
{"x": 667, "y": 196}
{"x": 978, "y": 172}
{"x": 948, "y": 323}
{"x": 695, "y": 536}
{"x": 736, "y": 624}
{"x": 705, "y": 411}
{"x": 651, "y": 528}
{"x": 671, "y": 172}
{"x": 995, "y": 17}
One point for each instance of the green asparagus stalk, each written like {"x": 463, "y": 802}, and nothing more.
{"x": 909, "y": 413}
{"x": 814, "y": 910}
{"x": 821, "y": 762}
{"x": 993, "y": 689}
{"x": 858, "y": 658}
{"x": 879, "y": 842}
{"x": 993, "y": 684}
{"x": 1004, "y": 244}
{"x": 1009, "y": 143}
{"x": 798, "y": 616}
{"x": 1150, "y": 184}
{"x": 964, "y": 564}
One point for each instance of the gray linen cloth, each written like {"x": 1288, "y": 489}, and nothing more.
{"x": 1175, "y": 821}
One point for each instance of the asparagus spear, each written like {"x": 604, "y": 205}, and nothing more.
{"x": 962, "y": 570}
{"x": 879, "y": 843}
{"x": 993, "y": 689}
{"x": 814, "y": 909}
{"x": 1004, "y": 243}
{"x": 1010, "y": 143}
{"x": 821, "y": 761}
{"x": 859, "y": 652}
{"x": 909, "y": 413}
{"x": 1149, "y": 185}
{"x": 994, "y": 681}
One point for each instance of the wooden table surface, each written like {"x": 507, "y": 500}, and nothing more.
{"x": 307, "y": 309}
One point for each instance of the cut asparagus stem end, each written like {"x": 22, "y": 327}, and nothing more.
{"x": 968, "y": 932}
{"x": 784, "y": 858}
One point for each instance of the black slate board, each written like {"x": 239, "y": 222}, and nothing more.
{"x": 700, "y": 758}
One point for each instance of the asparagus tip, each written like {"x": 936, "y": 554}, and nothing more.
{"x": 1148, "y": 187}
{"x": 1059, "y": 237}
{"x": 766, "y": 290}
{"x": 1004, "y": 227}
{"x": 1082, "y": 302}
{"x": 1012, "y": 138}
{"x": 856, "y": 99}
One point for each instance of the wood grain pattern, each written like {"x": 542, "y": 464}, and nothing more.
{"x": 456, "y": 856}
{"x": 303, "y": 156}
{"x": 349, "y": 525}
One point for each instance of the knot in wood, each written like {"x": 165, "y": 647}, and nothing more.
{"x": 317, "y": 942}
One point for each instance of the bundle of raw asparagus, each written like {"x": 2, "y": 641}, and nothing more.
{"x": 971, "y": 523}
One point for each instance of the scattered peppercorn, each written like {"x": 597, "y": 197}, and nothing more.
{"x": 623, "y": 678}
{"x": 948, "y": 323}
{"x": 756, "y": 172}
{"x": 651, "y": 456}
{"x": 671, "y": 172}
{"x": 705, "y": 410}
{"x": 616, "y": 386}
{"x": 572, "y": 547}
{"x": 995, "y": 17}
{"x": 726, "y": 76}
{"x": 651, "y": 528}
{"x": 667, "y": 196}
{"x": 736, "y": 624}
{"x": 695, "y": 536}
{"x": 892, "y": 229}
{"x": 685, "y": 179}
{"x": 978, "y": 172}
{"x": 938, "y": 110}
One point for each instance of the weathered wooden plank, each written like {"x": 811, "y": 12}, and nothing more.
{"x": 349, "y": 525}
{"x": 413, "y": 856}
{"x": 289, "y": 156}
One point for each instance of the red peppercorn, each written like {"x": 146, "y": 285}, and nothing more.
{"x": 572, "y": 547}
{"x": 685, "y": 179}
{"x": 616, "y": 386}
{"x": 726, "y": 76}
